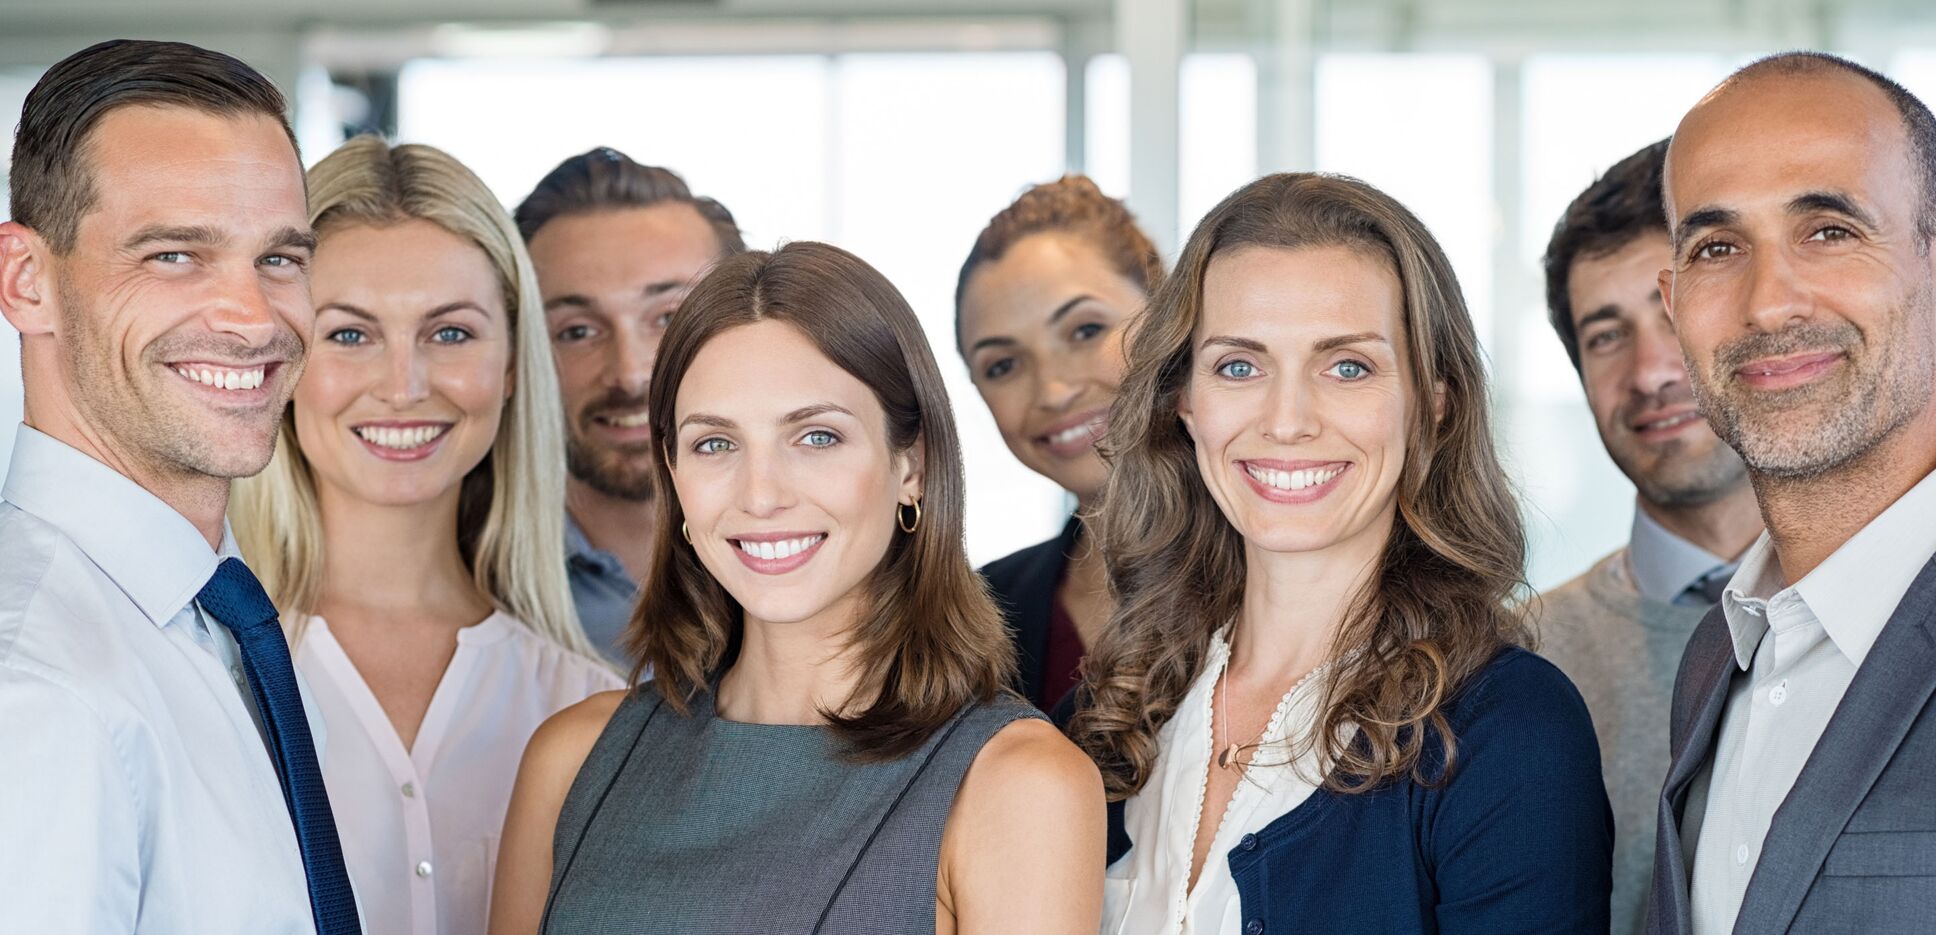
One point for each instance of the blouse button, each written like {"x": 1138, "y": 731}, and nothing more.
{"x": 1248, "y": 842}
{"x": 423, "y": 868}
{"x": 409, "y": 790}
{"x": 1254, "y": 927}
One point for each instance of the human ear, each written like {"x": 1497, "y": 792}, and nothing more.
{"x": 26, "y": 293}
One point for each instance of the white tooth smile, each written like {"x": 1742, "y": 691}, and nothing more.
{"x": 1074, "y": 432}
{"x": 400, "y": 439}
{"x": 630, "y": 420}
{"x": 1671, "y": 422}
{"x": 1293, "y": 480}
{"x": 785, "y": 548}
{"x": 223, "y": 378}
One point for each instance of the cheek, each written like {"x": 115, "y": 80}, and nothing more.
{"x": 329, "y": 384}
{"x": 473, "y": 381}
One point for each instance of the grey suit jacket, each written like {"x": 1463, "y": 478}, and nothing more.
{"x": 1853, "y": 846}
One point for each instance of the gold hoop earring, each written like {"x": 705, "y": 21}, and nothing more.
{"x": 685, "y": 532}
{"x": 900, "y": 518}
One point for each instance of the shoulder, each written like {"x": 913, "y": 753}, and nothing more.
{"x": 28, "y": 549}
{"x": 559, "y": 746}
{"x": 1521, "y": 715}
{"x": 1566, "y": 603}
{"x": 1028, "y": 782}
{"x": 558, "y": 671}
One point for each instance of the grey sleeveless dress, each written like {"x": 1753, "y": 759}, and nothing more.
{"x": 707, "y": 826}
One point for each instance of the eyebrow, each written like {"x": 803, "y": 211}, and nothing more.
{"x": 1344, "y": 340}
{"x": 801, "y": 414}
{"x": 1832, "y": 202}
{"x": 1055, "y": 316}
{"x": 293, "y": 237}
{"x": 655, "y": 289}
{"x": 447, "y": 308}
{"x": 1243, "y": 344}
{"x": 1603, "y": 313}
{"x": 1701, "y": 219}
{"x": 203, "y": 234}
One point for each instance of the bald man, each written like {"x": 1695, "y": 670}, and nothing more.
{"x": 1801, "y": 197}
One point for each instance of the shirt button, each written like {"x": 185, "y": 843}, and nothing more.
{"x": 1779, "y": 693}
{"x": 1740, "y": 855}
{"x": 1248, "y": 842}
{"x": 409, "y": 790}
{"x": 1254, "y": 927}
{"x": 235, "y": 672}
{"x": 423, "y": 868}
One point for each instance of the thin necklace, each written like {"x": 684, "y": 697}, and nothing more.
{"x": 1231, "y": 757}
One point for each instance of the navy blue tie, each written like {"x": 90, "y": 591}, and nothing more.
{"x": 236, "y": 600}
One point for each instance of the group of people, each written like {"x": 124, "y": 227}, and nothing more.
{"x": 376, "y": 559}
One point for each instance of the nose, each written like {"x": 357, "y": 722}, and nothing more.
{"x": 1290, "y": 413}
{"x": 241, "y": 308}
{"x": 1055, "y": 393}
{"x": 628, "y": 367}
{"x": 406, "y": 380}
{"x": 765, "y": 489}
{"x": 1658, "y": 365}
{"x": 1777, "y": 297}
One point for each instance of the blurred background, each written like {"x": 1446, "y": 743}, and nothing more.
{"x": 895, "y": 128}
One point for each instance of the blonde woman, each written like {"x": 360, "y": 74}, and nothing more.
{"x": 410, "y": 531}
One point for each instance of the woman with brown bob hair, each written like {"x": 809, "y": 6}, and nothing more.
{"x": 827, "y": 742}
{"x": 1311, "y": 699}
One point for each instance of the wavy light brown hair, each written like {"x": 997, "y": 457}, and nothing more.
{"x": 930, "y": 640}
{"x": 1433, "y": 612}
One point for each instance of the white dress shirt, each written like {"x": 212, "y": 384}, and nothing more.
{"x": 420, "y": 826}
{"x": 1147, "y": 890}
{"x": 1800, "y": 646}
{"x": 139, "y": 795}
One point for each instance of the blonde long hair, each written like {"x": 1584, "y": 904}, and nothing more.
{"x": 1434, "y": 612}
{"x": 510, "y": 517}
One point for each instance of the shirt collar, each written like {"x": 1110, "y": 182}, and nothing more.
{"x": 580, "y": 549}
{"x": 152, "y": 553}
{"x": 1664, "y": 564}
{"x": 1853, "y": 592}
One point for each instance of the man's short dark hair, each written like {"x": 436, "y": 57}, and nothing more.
{"x": 604, "y": 179}
{"x": 1917, "y": 122}
{"x": 1618, "y": 207}
{"x": 52, "y": 186}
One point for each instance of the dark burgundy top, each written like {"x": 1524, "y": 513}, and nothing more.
{"x": 1062, "y": 662}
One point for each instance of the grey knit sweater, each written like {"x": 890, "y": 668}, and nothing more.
{"x": 1622, "y": 651}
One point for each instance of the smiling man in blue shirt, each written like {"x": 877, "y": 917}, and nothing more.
{"x": 159, "y": 771}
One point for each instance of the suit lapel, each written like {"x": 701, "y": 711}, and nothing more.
{"x": 1709, "y": 665}
{"x": 1887, "y": 694}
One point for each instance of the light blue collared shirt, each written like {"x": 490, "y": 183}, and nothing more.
{"x": 1665, "y": 565}
{"x": 139, "y": 795}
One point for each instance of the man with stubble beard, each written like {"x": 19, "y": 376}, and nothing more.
{"x": 1802, "y": 194}
{"x": 1618, "y": 630}
{"x": 616, "y": 246}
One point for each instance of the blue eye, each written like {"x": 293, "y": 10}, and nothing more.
{"x": 712, "y": 446}
{"x": 347, "y": 337}
{"x": 1238, "y": 370}
{"x": 451, "y": 334}
{"x": 821, "y": 438}
{"x": 1350, "y": 370}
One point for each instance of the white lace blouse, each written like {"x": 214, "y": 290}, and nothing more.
{"x": 1147, "y": 891}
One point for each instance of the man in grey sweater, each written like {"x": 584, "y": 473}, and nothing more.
{"x": 1619, "y": 629}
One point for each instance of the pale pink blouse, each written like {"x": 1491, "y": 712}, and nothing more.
{"x": 420, "y": 827}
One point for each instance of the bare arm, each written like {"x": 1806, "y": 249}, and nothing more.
{"x": 1023, "y": 850}
{"x": 551, "y": 762}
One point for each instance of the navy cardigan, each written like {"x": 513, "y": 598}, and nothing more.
{"x": 1518, "y": 840}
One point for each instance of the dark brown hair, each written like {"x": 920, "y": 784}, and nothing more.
{"x": 930, "y": 640}
{"x": 604, "y": 179}
{"x": 1071, "y": 204}
{"x": 52, "y": 187}
{"x": 1435, "y": 609}
{"x": 1618, "y": 207}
